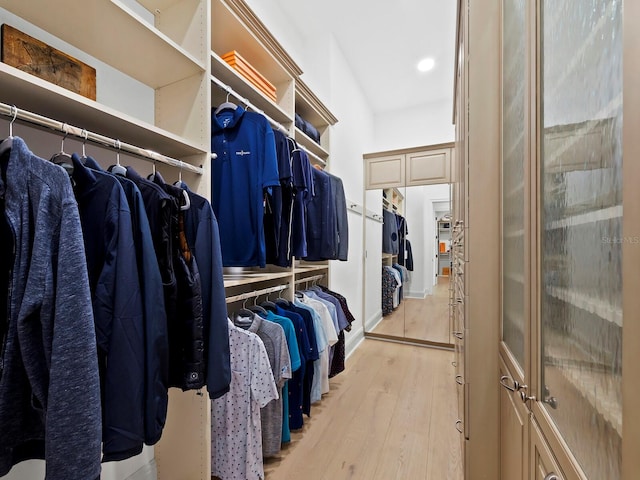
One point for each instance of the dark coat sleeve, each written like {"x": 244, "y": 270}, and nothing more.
{"x": 209, "y": 257}
{"x": 155, "y": 330}
{"x": 119, "y": 320}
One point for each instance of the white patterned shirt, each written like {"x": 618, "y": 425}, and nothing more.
{"x": 236, "y": 434}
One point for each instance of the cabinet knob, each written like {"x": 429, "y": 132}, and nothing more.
{"x": 459, "y": 379}
{"x": 551, "y": 476}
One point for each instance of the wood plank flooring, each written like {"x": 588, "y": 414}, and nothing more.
{"x": 390, "y": 415}
{"x": 421, "y": 319}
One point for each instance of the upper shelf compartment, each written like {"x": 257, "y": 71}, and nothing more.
{"x": 126, "y": 38}
{"x": 230, "y": 77}
{"x": 234, "y": 27}
{"x": 31, "y": 93}
{"x": 314, "y": 112}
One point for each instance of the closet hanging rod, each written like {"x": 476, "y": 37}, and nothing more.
{"x": 244, "y": 100}
{"x": 309, "y": 279}
{"x": 256, "y": 293}
{"x": 13, "y": 112}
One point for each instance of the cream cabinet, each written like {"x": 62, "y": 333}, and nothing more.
{"x": 429, "y": 165}
{"x": 543, "y": 125}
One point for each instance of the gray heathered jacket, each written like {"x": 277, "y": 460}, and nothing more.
{"x": 49, "y": 382}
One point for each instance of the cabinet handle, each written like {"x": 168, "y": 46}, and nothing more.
{"x": 459, "y": 424}
{"x": 454, "y": 363}
{"x": 509, "y": 383}
{"x": 458, "y": 335}
{"x": 459, "y": 380}
{"x": 551, "y": 476}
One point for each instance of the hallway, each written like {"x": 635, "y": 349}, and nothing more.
{"x": 390, "y": 415}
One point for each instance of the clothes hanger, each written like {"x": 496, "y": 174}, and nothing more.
{"x": 282, "y": 302}
{"x": 244, "y": 316}
{"x": 257, "y": 308}
{"x": 226, "y": 105}
{"x": 85, "y": 136}
{"x": 268, "y": 304}
{"x": 118, "y": 169}
{"x": 62, "y": 158}
{"x": 7, "y": 143}
{"x": 187, "y": 199}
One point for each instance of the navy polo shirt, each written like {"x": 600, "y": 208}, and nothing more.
{"x": 240, "y": 177}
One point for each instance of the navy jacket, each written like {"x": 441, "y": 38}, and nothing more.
{"x": 117, "y": 308}
{"x": 49, "y": 383}
{"x": 155, "y": 319}
{"x": 341, "y": 220}
{"x": 201, "y": 229}
{"x": 322, "y": 234}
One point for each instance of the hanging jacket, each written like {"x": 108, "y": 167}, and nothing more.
{"x": 201, "y": 229}
{"x": 157, "y": 204}
{"x": 117, "y": 308}
{"x": 49, "y": 383}
{"x": 186, "y": 330}
{"x": 156, "y": 342}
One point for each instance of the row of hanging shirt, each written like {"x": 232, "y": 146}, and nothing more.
{"x": 107, "y": 265}
{"x": 282, "y": 356}
{"x": 271, "y": 204}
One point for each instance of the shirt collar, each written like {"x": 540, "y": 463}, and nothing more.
{"x": 227, "y": 119}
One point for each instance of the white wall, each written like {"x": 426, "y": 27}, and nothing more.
{"x": 420, "y": 216}
{"x": 329, "y": 75}
{"x": 420, "y": 125}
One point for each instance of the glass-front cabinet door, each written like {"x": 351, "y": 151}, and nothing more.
{"x": 580, "y": 230}
{"x": 563, "y": 239}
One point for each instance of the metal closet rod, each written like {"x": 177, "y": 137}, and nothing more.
{"x": 256, "y": 293}
{"x": 244, "y": 100}
{"x": 309, "y": 279}
{"x": 14, "y": 113}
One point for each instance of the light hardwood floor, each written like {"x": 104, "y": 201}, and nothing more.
{"x": 421, "y": 319}
{"x": 390, "y": 415}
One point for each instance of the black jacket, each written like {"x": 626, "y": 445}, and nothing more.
{"x": 201, "y": 229}
{"x": 186, "y": 331}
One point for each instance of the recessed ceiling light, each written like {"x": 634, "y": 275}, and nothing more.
{"x": 426, "y": 64}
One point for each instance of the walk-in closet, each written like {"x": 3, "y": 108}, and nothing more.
{"x": 273, "y": 239}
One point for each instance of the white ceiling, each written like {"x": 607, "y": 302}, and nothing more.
{"x": 383, "y": 41}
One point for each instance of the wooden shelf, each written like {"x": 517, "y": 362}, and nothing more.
{"x": 602, "y": 309}
{"x": 114, "y": 34}
{"x": 309, "y": 106}
{"x": 31, "y": 93}
{"x": 310, "y": 145}
{"x": 226, "y": 74}
{"x": 310, "y": 268}
{"x": 235, "y": 27}
{"x": 585, "y": 218}
{"x": 239, "y": 279}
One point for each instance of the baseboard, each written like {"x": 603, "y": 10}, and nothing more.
{"x": 353, "y": 341}
{"x": 373, "y": 321}
{"x": 147, "y": 472}
{"x": 419, "y": 294}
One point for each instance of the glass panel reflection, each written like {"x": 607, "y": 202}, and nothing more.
{"x": 581, "y": 283}
{"x": 513, "y": 156}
